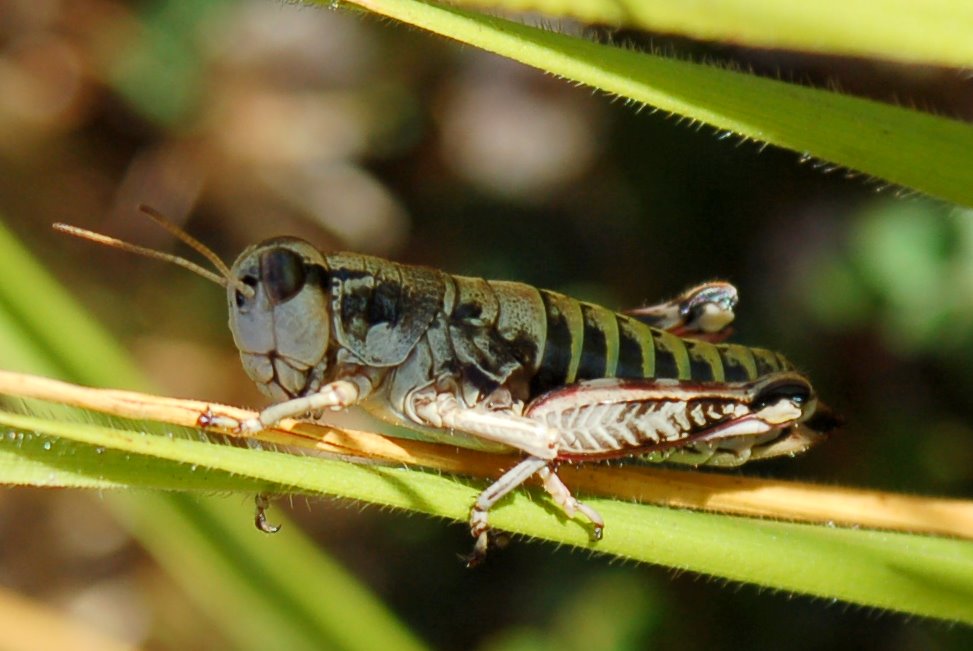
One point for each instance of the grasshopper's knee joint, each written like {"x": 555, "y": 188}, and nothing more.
{"x": 479, "y": 522}
{"x": 251, "y": 426}
{"x": 342, "y": 394}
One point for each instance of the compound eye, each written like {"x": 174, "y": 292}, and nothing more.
{"x": 789, "y": 389}
{"x": 284, "y": 274}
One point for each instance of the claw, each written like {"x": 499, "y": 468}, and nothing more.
{"x": 262, "y": 503}
{"x": 597, "y": 532}
{"x": 485, "y": 540}
{"x": 471, "y": 560}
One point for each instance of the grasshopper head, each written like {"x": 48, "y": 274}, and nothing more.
{"x": 278, "y": 299}
{"x": 282, "y": 325}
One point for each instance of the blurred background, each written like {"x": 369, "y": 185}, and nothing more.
{"x": 247, "y": 119}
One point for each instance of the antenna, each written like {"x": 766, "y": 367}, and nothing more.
{"x": 224, "y": 277}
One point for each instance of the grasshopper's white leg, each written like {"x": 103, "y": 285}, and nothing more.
{"x": 444, "y": 410}
{"x": 479, "y": 524}
{"x": 569, "y": 503}
{"x": 334, "y": 395}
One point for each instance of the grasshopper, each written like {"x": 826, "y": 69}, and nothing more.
{"x": 501, "y": 366}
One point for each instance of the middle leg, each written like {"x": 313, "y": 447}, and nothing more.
{"x": 479, "y": 514}
{"x": 443, "y": 410}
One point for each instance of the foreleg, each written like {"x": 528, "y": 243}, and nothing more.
{"x": 336, "y": 395}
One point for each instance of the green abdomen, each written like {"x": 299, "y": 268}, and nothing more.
{"x": 586, "y": 341}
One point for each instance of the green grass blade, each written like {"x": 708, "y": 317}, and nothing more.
{"x": 935, "y": 32}
{"x": 922, "y": 575}
{"x": 52, "y": 462}
{"x": 917, "y": 150}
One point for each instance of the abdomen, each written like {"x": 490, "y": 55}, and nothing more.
{"x": 534, "y": 340}
{"x": 584, "y": 341}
